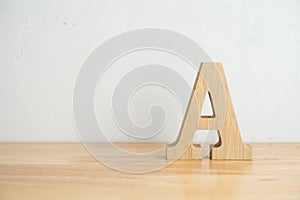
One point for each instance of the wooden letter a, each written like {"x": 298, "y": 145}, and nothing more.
{"x": 210, "y": 78}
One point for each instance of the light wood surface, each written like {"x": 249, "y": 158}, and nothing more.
{"x": 67, "y": 171}
{"x": 211, "y": 78}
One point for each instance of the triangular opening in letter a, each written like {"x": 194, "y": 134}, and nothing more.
{"x": 207, "y": 108}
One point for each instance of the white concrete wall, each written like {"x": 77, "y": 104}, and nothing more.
{"x": 44, "y": 43}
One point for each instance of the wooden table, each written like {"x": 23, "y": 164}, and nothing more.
{"x": 67, "y": 171}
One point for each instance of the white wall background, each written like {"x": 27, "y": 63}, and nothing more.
{"x": 43, "y": 44}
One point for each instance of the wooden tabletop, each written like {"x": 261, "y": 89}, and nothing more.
{"x": 67, "y": 171}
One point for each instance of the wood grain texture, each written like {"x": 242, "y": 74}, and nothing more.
{"x": 67, "y": 171}
{"x": 231, "y": 144}
{"x": 211, "y": 78}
